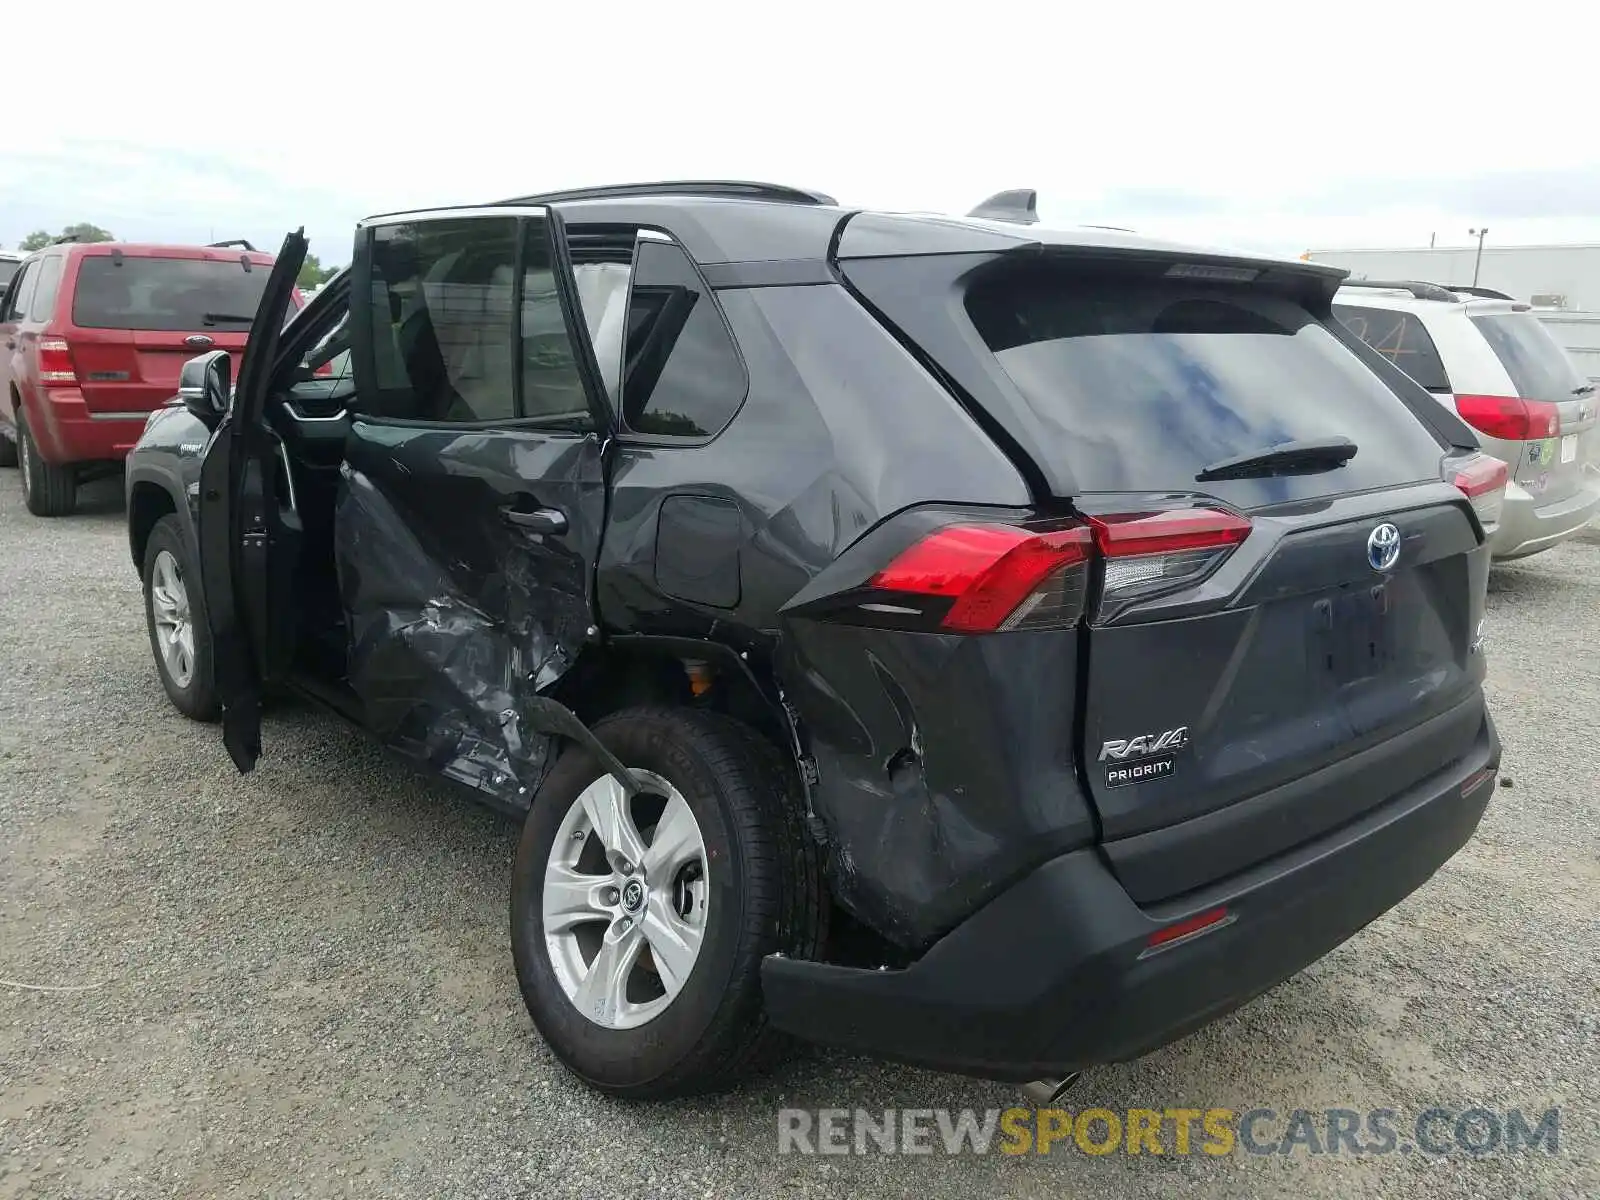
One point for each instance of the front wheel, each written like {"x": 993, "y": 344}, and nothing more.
{"x": 638, "y": 925}
{"x": 174, "y": 611}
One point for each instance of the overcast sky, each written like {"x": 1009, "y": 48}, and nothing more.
{"x": 1273, "y": 127}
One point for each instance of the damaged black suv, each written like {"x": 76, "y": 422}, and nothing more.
{"x": 991, "y": 648}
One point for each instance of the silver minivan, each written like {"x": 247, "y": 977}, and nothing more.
{"x": 1491, "y": 360}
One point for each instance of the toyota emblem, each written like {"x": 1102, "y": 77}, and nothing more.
{"x": 1383, "y": 547}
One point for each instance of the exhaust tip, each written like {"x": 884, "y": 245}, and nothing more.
{"x": 1045, "y": 1092}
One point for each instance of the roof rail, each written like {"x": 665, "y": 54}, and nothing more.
{"x": 65, "y": 237}
{"x": 1422, "y": 291}
{"x": 1486, "y": 293}
{"x": 741, "y": 189}
{"x": 1020, "y": 206}
{"x": 240, "y": 242}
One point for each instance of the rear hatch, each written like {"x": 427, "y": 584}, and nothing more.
{"x": 1557, "y": 411}
{"x": 137, "y": 314}
{"x": 1269, "y": 648}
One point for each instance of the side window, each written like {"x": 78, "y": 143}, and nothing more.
{"x": 682, "y": 375}
{"x": 441, "y": 330}
{"x": 21, "y": 291}
{"x": 330, "y": 357}
{"x": 1401, "y": 338}
{"x": 44, "y": 293}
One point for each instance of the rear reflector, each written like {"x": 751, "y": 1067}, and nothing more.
{"x": 995, "y": 575}
{"x": 55, "y": 363}
{"x": 1510, "y": 418}
{"x": 1210, "y": 919}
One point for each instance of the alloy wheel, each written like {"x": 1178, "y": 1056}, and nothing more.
{"x": 625, "y": 900}
{"x": 173, "y": 618}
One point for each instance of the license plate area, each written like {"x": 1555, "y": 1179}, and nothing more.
{"x": 1352, "y": 634}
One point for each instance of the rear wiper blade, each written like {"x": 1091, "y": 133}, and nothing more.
{"x": 1286, "y": 458}
{"x": 226, "y": 319}
{"x": 1583, "y": 390}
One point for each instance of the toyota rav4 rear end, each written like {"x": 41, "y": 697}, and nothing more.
{"x": 1107, "y": 766}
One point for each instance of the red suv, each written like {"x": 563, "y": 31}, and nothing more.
{"x": 92, "y": 337}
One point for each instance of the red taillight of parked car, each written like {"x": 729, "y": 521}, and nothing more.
{"x": 1510, "y": 418}
{"x": 56, "y": 368}
{"x": 990, "y": 578}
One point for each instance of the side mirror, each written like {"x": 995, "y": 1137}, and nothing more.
{"x": 205, "y": 385}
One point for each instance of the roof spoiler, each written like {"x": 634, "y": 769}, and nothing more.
{"x": 1020, "y": 206}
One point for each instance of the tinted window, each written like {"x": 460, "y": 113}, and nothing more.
{"x": 1537, "y": 364}
{"x": 175, "y": 294}
{"x": 16, "y": 302}
{"x": 682, "y": 375}
{"x": 44, "y": 292}
{"x": 1138, "y": 384}
{"x": 441, "y": 302}
{"x": 8, "y": 269}
{"x": 1401, "y": 338}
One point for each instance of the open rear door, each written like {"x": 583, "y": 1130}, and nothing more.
{"x": 249, "y": 530}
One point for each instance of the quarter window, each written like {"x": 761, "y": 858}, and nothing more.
{"x": 1401, "y": 338}
{"x": 682, "y": 376}
{"x": 44, "y": 293}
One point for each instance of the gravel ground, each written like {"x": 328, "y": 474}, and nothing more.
{"x": 297, "y": 982}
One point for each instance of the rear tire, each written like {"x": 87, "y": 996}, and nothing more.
{"x": 47, "y": 489}
{"x": 172, "y": 594}
{"x": 761, "y": 894}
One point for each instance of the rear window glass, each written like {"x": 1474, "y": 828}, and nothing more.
{"x": 1139, "y": 384}
{"x": 166, "y": 293}
{"x": 1401, "y": 338}
{"x": 1538, "y": 366}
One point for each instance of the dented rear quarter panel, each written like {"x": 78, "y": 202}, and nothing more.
{"x": 943, "y": 763}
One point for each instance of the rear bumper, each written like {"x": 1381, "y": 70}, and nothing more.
{"x": 65, "y": 431}
{"x": 1527, "y": 526}
{"x": 1053, "y": 975}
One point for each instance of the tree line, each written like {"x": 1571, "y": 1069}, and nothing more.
{"x": 312, "y": 272}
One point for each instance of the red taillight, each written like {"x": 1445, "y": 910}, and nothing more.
{"x": 56, "y": 368}
{"x": 995, "y": 575}
{"x": 1510, "y": 418}
{"x": 323, "y": 371}
{"x": 1210, "y": 919}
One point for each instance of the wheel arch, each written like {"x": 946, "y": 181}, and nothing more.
{"x": 148, "y": 502}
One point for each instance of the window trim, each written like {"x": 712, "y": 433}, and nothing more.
{"x": 632, "y": 437}
{"x": 361, "y": 347}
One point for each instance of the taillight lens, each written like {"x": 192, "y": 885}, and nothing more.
{"x": 56, "y": 368}
{"x": 1154, "y": 551}
{"x": 1482, "y": 480}
{"x": 988, "y": 578}
{"x": 1510, "y": 418}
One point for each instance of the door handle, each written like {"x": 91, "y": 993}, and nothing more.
{"x": 538, "y": 520}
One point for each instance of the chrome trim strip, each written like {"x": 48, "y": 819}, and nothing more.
{"x": 446, "y": 214}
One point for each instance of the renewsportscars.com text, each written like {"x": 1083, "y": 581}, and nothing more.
{"x": 1215, "y": 1132}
